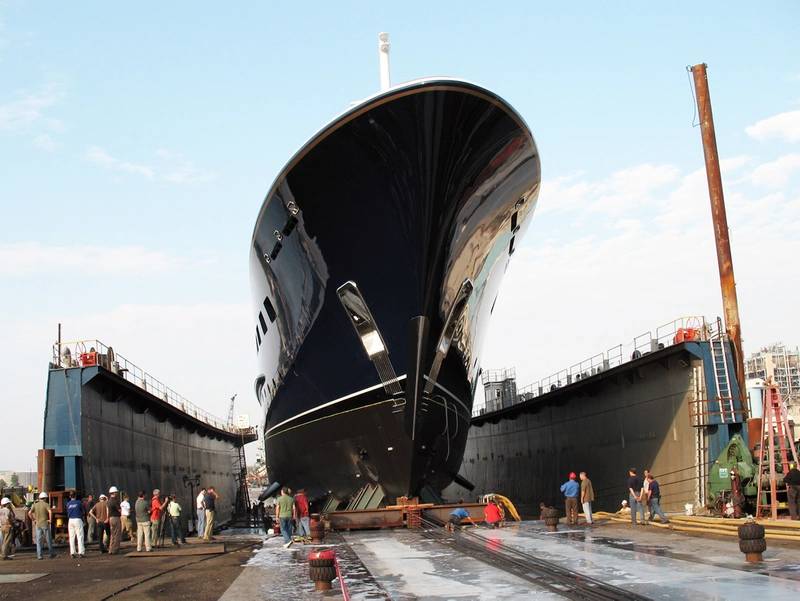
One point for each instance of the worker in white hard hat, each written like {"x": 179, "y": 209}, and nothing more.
{"x": 7, "y": 521}
{"x": 114, "y": 521}
{"x": 41, "y": 514}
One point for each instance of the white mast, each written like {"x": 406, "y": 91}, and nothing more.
{"x": 383, "y": 54}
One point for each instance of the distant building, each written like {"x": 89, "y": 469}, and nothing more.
{"x": 781, "y": 365}
{"x": 499, "y": 388}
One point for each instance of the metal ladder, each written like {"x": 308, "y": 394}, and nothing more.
{"x": 722, "y": 380}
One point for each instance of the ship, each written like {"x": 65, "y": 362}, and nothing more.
{"x": 375, "y": 264}
{"x": 107, "y": 422}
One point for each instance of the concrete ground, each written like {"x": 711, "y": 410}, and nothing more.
{"x": 405, "y": 565}
{"x": 96, "y": 577}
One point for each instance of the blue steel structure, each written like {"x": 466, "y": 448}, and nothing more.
{"x": 106, "y": 430}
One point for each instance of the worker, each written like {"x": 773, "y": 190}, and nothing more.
{"x": 127, "y": 522}
{"x": 285, "y": 512}
{"x": 141, "y": 510}
{"x": 7, "y": 522}
{"x": 635, "y": 486}
{"x": 114, "y": 521}
{"x": 42, "y": 516}
{"x": 75, "y": 515}
{"x": 174, "y": 511}
{"x": 100, "y": 514}
{"x": 492, "y": 515}
{"x": 210, "y": 503}
{"x": 646, "y": 493}
{"x": 156, "y": 509}
{"x": 266, "y": 519}
{"x": 654, "y": 492}
{"x": 587, "y": 497}
{"x": 458, "y": 515}
{"x": 199, "y": 505}
{"x": 302, "y": 512}
{"x": 91, "y": 523}
{"x": 571, "y": 490}
{"x": 792, "y": 482}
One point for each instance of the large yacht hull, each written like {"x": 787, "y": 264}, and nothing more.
{"x": 402, "y": 214}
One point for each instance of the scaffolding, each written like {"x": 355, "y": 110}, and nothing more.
{"x": 779, "y": 364}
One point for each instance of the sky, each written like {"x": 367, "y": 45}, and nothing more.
{"x": 137, "y": 143}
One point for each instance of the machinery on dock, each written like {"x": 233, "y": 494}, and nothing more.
{"x": 733, "y": 478}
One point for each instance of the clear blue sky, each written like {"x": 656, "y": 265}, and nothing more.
{"x": 157, "y": 127}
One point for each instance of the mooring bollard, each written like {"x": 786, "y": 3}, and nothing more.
{"x": 751, "y": 541}
{"x": 317, "y": 529}
{"x": 322, "y": 569}
{"x": 550, "y": 517}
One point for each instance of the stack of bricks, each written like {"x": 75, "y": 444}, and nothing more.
{"x": 413, "y": 517}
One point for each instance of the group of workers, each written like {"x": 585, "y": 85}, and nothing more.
{"x": 292, "y": 515}
{"x": 644, "y": 492}
{"x": 493, "y": 516}
{"x": 106, "y": 519}
{"x": 574, "y": 493}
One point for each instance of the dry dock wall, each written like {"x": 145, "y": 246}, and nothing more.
{"x": 107, "y": 432}
{"x": 634, "y": 415}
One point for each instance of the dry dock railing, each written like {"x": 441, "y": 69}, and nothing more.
{"x": 653, "y": 340}
{"x": 88, "y": 353}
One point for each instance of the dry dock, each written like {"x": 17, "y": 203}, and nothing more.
{"x": 610, "y": 560}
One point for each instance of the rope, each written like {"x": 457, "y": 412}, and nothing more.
{"x": 691, "y": 90}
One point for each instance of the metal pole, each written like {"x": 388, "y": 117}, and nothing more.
{"x": 58, "y": 360}
{"x": 730, "y": 304}
{"x": 383, "y": 56}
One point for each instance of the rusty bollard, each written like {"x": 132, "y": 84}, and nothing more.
{"x": 322, "y": 569}
{"x": 751, "y": 541}
{"x": 317, "y": 529}
{"x": 550, "y": 517}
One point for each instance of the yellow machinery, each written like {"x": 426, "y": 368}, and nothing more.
{"x": 504, "y": 502}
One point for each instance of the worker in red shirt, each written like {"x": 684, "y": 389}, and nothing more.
{"x": 492, "y": 515}
{"x": 303, "y": 517}
{"x": 156, "y": 507}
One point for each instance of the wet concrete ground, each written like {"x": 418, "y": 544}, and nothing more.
{"x": 404, "y": 565}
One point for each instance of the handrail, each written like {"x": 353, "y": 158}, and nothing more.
{"x": 643, "y": 344}
{"x": 78, "y": 353}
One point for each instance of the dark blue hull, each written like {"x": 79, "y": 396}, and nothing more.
{"x": 416, "y": 196}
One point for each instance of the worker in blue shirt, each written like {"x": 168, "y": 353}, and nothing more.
{"x": 458, "y": 515}
{"x": 75, "y": 515}
{"x": 571, "y": 490}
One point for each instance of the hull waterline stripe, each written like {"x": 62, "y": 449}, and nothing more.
{"x": 333, "y": 402}
{"x": 466, "y": 418}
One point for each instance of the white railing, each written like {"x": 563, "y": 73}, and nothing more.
{"x": 647, "y": 342}
{"x": 87, "y": 353}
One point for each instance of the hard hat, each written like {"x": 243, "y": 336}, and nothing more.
{"x": 102, "y": 496}
{"x": 5, "y": 501}
{"x": 572, "y": 475}
{"x": 113, "y": 489}
{"x": 42, "y": 495}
